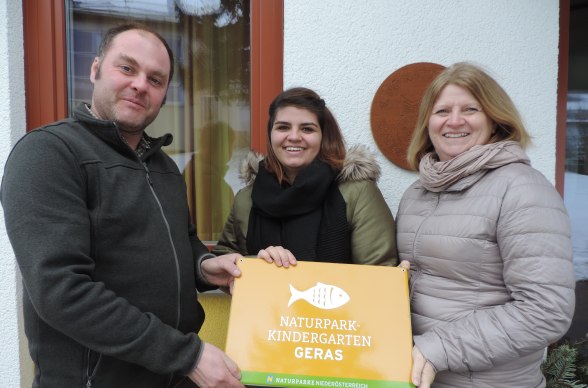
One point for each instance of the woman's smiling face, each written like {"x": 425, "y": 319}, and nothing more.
{"x": 296, "y": 139}
{"x": 457, "y": 123}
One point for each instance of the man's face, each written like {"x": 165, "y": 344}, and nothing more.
{"x": 130, "y": 82}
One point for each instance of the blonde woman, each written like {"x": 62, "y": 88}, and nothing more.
{"x": 488, "y": 241}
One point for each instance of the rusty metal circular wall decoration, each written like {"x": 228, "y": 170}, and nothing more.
{"x": 395, "y": 108}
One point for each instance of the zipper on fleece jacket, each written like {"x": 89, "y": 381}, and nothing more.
{"x": 164, "y": 218}
{"x": 91, "y": 369}
{"x": 171, "y": 241}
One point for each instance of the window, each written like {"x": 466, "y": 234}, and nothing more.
{"x": 576, "y": 158}
{"x": 576, "y": 162}
{"x": 215, "y": 106}
{"x": 576, "y": 176}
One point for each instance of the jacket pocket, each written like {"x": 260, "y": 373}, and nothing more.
{"x": 92, "y": 363}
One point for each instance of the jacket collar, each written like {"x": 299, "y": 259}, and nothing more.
{"x": 108, "y": 132}
{"x": 360, "y": 164}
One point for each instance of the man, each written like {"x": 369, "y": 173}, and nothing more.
{"x": 98, "y": 219}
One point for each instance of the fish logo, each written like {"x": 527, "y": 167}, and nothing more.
{"x": 323, "y": 296}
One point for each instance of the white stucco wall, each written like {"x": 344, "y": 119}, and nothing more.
{"x": 345, "y": 49}
{"x": 15, "y": 364}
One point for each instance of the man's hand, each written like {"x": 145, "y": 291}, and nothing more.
{"x": 279, "y": 255}
{"x": 215, "y": 368}
{"x": 423, "y": 372}
{"x": 221, "y": 270}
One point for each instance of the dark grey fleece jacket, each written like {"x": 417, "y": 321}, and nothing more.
{"x": 107, "y": 255}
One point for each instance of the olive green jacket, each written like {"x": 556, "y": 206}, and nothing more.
{"x": 373, "y": 231}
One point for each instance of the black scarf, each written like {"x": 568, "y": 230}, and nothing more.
{"x": 308, "y": 218}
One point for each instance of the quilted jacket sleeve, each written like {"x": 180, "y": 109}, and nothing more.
{"x": 373, "y": 230}
{"x": 233, "y": 236}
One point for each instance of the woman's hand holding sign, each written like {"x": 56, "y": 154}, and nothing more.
{"x": 279, "y": 255}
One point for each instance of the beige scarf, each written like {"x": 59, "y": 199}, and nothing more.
{"x": 437, "y": 176}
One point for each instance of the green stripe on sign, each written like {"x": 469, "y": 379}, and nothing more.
{"x": 286, "y": 380}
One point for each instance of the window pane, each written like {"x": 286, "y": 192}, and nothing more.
{"x": 576, "y": 177}
{"x": 208, "y": 102}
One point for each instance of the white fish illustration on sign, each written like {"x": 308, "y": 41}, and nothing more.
{"x": 323, "y": 296}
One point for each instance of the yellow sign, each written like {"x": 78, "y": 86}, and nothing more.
{"x": 321, "y": 325}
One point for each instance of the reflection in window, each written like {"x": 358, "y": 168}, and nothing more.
{"x": 576, "y": 178}
{"x": 208, "y": 103}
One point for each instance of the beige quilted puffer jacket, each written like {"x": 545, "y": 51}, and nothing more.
{"x": 492, "y": 280}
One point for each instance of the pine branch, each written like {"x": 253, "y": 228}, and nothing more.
{"x": 560, "y": 367}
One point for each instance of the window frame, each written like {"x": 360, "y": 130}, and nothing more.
{"x": 562, "y": 93}
{"x": 44, "y": 25}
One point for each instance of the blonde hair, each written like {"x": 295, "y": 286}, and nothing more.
{"x": 493, "y": 100}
